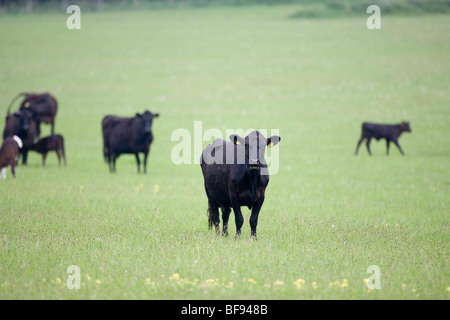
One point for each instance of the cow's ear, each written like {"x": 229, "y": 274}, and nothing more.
{"x": 273, "y": 140}
{"x": 155, "y": 115}
{"x": 138, "y": 115}
{"x": 237, "y": 139}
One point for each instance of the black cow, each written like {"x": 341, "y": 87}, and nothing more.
{"x": 43, "y": 106}
{"x": 235, "y": 175}
{"x": 22, "y": 124}
{"x": 390, "y": 132}
{"x": 127, "y": 136}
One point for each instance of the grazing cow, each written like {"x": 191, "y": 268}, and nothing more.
{"x": 50, "y": 143}
{"x": 9, "y": 154}
{"x": 21, "y": 124}
{"x": 127, "y": 136}
{"x": 390, "y": 132}
{"x": 43, "y": 106}
{"x": 235, "y": 175}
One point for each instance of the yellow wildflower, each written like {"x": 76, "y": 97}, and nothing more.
{"x": 175, "y": 276}
{"x": 299, "y": 282}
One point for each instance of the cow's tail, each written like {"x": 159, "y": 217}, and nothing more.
{"x": 14, "y": 100}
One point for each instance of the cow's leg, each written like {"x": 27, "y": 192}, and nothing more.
{"x": 13, "y": 170}
{"x": 254, "y": 217}
{"x": 24, "y": 156}
{"x": 358, "y": 144}
{"x": 368, "y": 145}
{"x": 213, "y": 217}
{"x": 44, "y": 156}
{"x": 38, "y": 129}
{"x": 239, "y": 219}
{"x": 225, "y": 216}
{"x": 110, "y": 158}
{"x": 3, "y": 173}
{"x": 59, "y": 156}
{"x": 387, "y": 146}
{"x": 145, "y": 160}
{"x": 64, "y": 155}
{"x": 114, "y": 158}
{"x": 138, "y": 162}
{"x": 398, "y": 146}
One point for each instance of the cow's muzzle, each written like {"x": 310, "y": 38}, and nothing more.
{"x": 254, "y": 164}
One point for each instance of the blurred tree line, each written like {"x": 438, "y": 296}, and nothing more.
{"x": 30, "y": 5}
{"x": 309, "y": 8}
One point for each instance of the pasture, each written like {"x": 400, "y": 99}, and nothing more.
{"x": 328, "y": 215}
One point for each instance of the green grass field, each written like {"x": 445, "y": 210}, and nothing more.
{"x": 328, "y": 215}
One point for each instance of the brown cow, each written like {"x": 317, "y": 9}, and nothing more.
{"x": 50, "y": 143}
{"x": 43, "y": 106}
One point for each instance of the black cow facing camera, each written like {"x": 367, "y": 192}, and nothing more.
{"x": 235, "y": 175}
{"x": 390, "y": 132}
{"x": 127, "y": 136}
